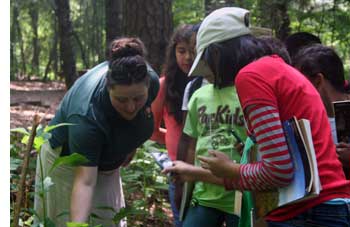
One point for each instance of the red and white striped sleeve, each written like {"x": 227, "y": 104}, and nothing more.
{"x": 275, "y": 169}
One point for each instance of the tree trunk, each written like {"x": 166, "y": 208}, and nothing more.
{"x": 13, "y": 60}
{"x": 34, "y": 16}
{"x": 274, "y": 15}
{"x": 283, "y": 29}
{"x": 152, "y": 22}
{"x": 114, "y": 19}
{"x": 211, "y": 5}
{"x": 82, "y": 51}
{"x": 53, "y": 54}
{"x": 18, "y": 32}
{"x": 65, "y": 30}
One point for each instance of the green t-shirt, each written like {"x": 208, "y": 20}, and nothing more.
{"x": 99, "y": 132}
{"x": 212, "y": 115}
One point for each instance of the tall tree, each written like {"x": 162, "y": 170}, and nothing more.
{"x": 211, "y": 5}
{"x": 34, "y": 16}
{"x": 16, "y": 36}
{"x": 65, "y": 31}
{"x": 151, "y": 21}
{"x": 274, "y": 14}
{"x": 114, "y": 19}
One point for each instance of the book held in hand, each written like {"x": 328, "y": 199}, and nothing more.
{"x": 342, "y": 120}
{"x": 306, "y": 183}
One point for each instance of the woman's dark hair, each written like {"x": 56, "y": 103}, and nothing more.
{"x": 175, "y": 78}
{"x": 318, "y": 58}
{"x": 277, "y": 47}
{"x": 226, "y": 58}
{"x": 126, "y": 62}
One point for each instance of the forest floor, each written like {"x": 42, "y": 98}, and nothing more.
{"x": 30, "y": 98}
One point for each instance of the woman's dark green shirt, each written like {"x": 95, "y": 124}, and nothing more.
{"x": 99, "y": 132}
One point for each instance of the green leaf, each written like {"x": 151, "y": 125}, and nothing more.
{"x": 105, "y": 208}
{"x": 51, "y": 127}
{"x": 38, "y": 142}
{"x": 62, "y": 214}
{"x": 74, "y": 159}
{"x": 76, "y": 224}
{"x": 25, "y": 139}
{"x": 20, "y": 130}
{"x": 49, "y": 222}
{"x": 15, "y": 163}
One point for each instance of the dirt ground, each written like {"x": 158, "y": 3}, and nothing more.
{"x": 30, "y": 98}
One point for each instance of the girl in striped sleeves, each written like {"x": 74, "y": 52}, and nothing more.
{"x": 270, "y": 92}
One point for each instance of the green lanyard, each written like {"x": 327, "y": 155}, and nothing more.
{"x": 249, "y": 143}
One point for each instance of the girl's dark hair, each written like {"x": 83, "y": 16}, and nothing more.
{"x": 126, "y": 62}
{"x": 175, "y": 78}
{"x": 277, "y": 47}
{"x": 226, "y": 58}
{"x": 318, "y": 58}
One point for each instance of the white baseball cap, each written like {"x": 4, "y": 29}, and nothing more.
{"x": 222, "y": 24}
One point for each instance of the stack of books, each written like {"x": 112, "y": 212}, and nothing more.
{"x": 306, "y": 182}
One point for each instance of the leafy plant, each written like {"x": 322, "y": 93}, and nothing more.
{"x": 42, "y": 136}
{"x": 147, "y": 189}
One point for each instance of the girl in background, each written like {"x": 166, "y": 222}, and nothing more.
{"x": 167, "y": 106}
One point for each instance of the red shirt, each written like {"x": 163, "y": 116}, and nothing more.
{"x": 171, "y": 135}
{"x": 270, "y": 81}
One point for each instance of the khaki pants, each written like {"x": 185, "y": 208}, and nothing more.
{"x": 108, "y": 191}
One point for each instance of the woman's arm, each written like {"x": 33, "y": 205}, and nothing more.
{"x": 188, "y": 172}
{"x": 82, "y": 193}
{"x": 157, "y": 110}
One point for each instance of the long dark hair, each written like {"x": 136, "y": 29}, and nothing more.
{"x": 318, "y": 58}
{"x": 126, "y": 62}
{"x": 226, "y": 58}
{"x": 175, "y": 79}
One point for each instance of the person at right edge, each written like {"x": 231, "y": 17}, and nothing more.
{"x": 325, "y": 70}
{"x": 270, "y": 92}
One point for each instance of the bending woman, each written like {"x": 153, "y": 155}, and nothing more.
{"x": 110, "y": 109}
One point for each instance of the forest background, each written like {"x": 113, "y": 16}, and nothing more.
{"x": 53, "y": 42}
{"x": 61, "y": 39}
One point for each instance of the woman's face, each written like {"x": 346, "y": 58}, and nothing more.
{"x": 184, "y": 56}
{"x": 128, "y": 100}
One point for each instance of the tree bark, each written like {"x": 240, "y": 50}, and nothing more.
{"x": 18, "y": 32}
{"x": 152, "y": 22}
{"x": 13, "y": 60}
{"x": 283, "y": 29}
{"x": 34, "y": 16}
{"x": 114, "y": 19}
{"x": 211, "y": 5}
{"x": 65, "y": 30}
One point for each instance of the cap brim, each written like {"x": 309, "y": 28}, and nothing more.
{"x": 199, "y": 67}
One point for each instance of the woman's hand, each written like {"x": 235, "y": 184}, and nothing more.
{"x": 182, "y": 171}
{"x": 343, "y": 151}
{"x": 220, "y": 164}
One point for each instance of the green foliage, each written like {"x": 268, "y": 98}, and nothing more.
{"x": 328, "y": 19}
{"x": 188, "y": 12}
{"x": 146, "y": 189}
